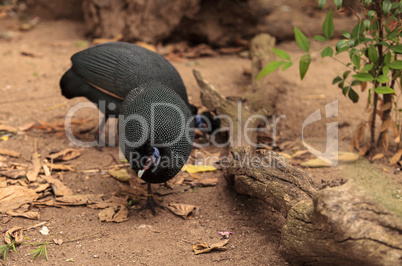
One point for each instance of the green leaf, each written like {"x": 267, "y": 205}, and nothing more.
{"x": 346, "y": 74}
{"x": 372, "y": 54}
{"x": 382, "y": 79}
{"x": 393, "y": 35}
{"x": 357, "y": 30}
{"x": 320, "y": 38}
{"x": 353, "y": 95}
{"x": 281, "y": 53}
{"x": 287, "y": 65}
{"x": 336, "y": 80}
{"x": 395, "y": 64}
{"x": 345, "y": 90}
{"x": 367, "y": 2}
{"x": 385, "y": 70}
{"x": 356, "y": 60}
{"x": 386, "y": 6}
{"x": 387, "y": 57}
{"x": 301, "y": 40}
{"x": 356, "y": 82}
{"x": 338, "y": 3}
{"x": 328, "y": 25}
{"x": 367, "y": 67}
{"x": 346, "y": 34}
{"x": 366, "y": 23}
{"x": 268, "y": 69}
{"x": 363, "y": 77}
{"x": 304, "y": 64}
{"x": 370, "y": 13}
{"x": 397, "y": 49}
{"x": 340, "y": 85}
{"x": 327, "y": 52}
{"x": 384, "y": 90}
{"x": 321, "y": 3}
{"x": 341, "y": 45}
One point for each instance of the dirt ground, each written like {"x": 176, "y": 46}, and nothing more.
{"x": 29, "y": 87}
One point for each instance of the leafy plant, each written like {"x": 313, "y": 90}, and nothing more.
{"x": 373, "y": 47}
{"x": 42, "y": 249}
{"x": 4, "y": 249}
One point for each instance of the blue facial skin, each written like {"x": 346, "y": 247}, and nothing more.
{"x": 198, "y": 121}
{"x": 156, "y": 156}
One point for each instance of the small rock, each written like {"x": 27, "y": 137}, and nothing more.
{"x": 44, "y": 231}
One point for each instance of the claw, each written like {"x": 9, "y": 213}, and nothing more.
{"x": 151, "y": 203}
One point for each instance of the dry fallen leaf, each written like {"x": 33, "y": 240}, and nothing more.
{"x": 58, "y": 188}
{"x": 12, "y": 197}
{"x": 186, "y": 211}
{"x": 8, "y": 128}
{"x": 396, "y": 157}
{"x": 10, "y": 153}
{"x": 190, "y": 168}
{"x": 65, "y": 155}
{"x": 120, "y": 174}
{"x": 313, "y": 163}
{"x": 33, "y": 170}
{"x": 28, "y": 214}
{"x": 61, "y": 167}
{"x": 116, "y": 214}
{"x": 378, "y": 156}
{"x": 58, "y": 241}
{"x": 16, "y": 233}
{"x": 205, "y": 182}
{"x": 26, "y": 126}
{"x": 203, "y": 247}
{"x": 347, "y": 157}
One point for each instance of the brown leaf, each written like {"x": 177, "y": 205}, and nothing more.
{"x": 10, "y": 153}
{"x": 385, "y": 125}
{"x": 384, "y": 140}
{"x": 12, "y": 197}
{"x": 14, "y": 174}
{"x": 26, "y": 126}
{"x": 16, "y": 233}
{"x": 363, "y": 86}
{"x": 65, "y": 155}
{"x": 120, "y": 174}
{"x": 378, "y": 156}
{"x": 396, "y": 157}
{"x": 203, "y": 247}
{"x": 60, "y": 167}
{"x": 363, "y": 150}
{"x": 205, "y": 182}
{"x": 27, "y": 214}
{"x": 59, "y": 189}
{"x": 231, "y": 50}
{"x": 116, "y": 214}
{"x": 112, "y": 202}
{"x": 58, "y": 241}
{"x": 33, "y": 171}
{"x": 395, "y": 131}
{"x": 8, "y": 128}
{"x": 186, "y": 211}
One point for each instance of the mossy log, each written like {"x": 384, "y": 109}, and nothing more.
{"x": 335, "y": 225}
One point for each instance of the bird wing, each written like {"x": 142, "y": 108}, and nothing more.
{"x": 119, "y": 67}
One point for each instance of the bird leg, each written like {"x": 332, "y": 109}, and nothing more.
{"x": 99, "y": 136}
{"x": 151, "y": 203}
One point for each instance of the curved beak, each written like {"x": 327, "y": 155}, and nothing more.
{"x": 140, "y": 173}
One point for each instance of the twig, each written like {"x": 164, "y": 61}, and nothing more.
{"x": 36, "y": 225}
{"x": 81, "y": 237}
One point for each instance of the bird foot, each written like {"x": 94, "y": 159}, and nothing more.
{"x": 151, "y": 204}
{"x": 100, "y": 142}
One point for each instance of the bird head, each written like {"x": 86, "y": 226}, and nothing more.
{"x": 155, "y": 132}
